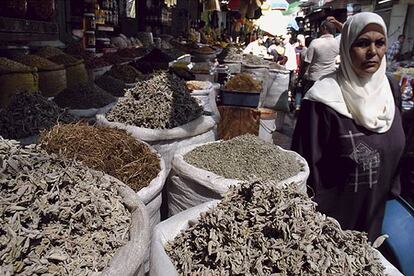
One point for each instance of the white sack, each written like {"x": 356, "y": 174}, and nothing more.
{"x": 277, "y": 97}
{"x": 91, "y": 112}
{"x": 195, "y": 185}
{"x": 167, "y": 230}
{"x": 129, "y": 260}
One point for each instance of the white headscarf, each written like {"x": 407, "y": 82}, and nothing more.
{"x": 369, "y": 102}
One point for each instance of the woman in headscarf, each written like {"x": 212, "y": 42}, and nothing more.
{"x": 349, "y": 130}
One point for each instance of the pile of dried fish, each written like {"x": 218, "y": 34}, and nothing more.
{"x": 85, "y": 96}
{"x": 160, "y": 102}
{"x": 254, "y": 60}
{"x": 125, "y": 73}
{"x": 28, "y": 114}
{"x": 232, "y": 54}
{"x": 110, "y": 150}
{"x": 243, "y": 82}
{"x": 259, "y": 229}
{"x": 244, "y": 157}
{"x": 58, "y": 218}
{"x": 112, "y": 85}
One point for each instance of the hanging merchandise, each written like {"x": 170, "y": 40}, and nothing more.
{"x": 212, "y": 5}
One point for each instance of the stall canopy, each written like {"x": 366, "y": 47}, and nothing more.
{"x": 280, "y": 5}
{"x": 273, "y": 22}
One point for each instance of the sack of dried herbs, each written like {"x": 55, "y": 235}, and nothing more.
{"x": 205, "y": 172}
{"x": 71, "y": 220}
{"x": 116, "y": 153}
{"x": 160, "y": 111}
{"x": 261, "y": 229}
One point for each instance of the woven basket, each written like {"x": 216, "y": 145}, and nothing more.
{"x": 76, "y": 75}
{"x": 52, "y": 82}
{"x": 12, "y": 83}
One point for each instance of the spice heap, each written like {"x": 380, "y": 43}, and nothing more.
{"x": 92, "y": 62}
{"x": 10, "y": 66}
{"x": 245, "y": 157}
{"x": 48, "y": 52}
{"x": 125, "y": 73}
{"x": 198, "y": 85}
{"x": 202, "y": 68}
{"x": 38, "y": 62}
{"x": 132, "y": 52}
{"x": 115, "y": 58}
{"x": 110, "y": 150}
{"x": 243, "y": 82}
{"x": 205, "y": 50}
{"x": 254, "y": 60}
{"x": 232, "y": 54}
{"x": 64, "y": 59}
{"x": 260, "y": 229}
{"x": 111, "y": 85}
{"x": 153, "y": 61}
{"x": 28, "y": 114}
{"x": 85, "y": 96}
{"x": 160, "y": 102}
{"x": 58, "y": 217}
{"x": 173, "y": 53}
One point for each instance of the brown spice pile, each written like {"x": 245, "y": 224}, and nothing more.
{"x": 11, "y": 66}
{"x": 243, "y": 82}
{"x": 64, "y": 59}
{"x": 126, "y": 73}
{"x": 110, "y": 150}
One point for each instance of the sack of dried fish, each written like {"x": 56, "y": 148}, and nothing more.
{"x": 253, "y": 61}
{"x": 116, "y": 153}
{"x": 28, "y": 114}
{"x": 16, "y": 77}
{"x": 244, "y": 83}
{"x": 52, "y": 76}
{"x": 260, "y": 229}
{"x": 125, "y": 73}
{"x": 84, "y": 101}
{"x": 160, "y": 111}
{"x": 112, "y": 85}
{"x": 206, "y": 172}
{"x": 61, "y": 218}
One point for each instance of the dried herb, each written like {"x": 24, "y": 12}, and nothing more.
{"x": 262, "y": 229}
{"x": 28, "y": 114}
{"x": 160, "y": 102}
{"x": 48, "y": 52}
{"x": 231, "y": 54}
{"x": 243, "y": 82}
{"x": 110, "y": 150}
{"x": 254, "y": 60}
{"x": 57, "y": 217}
{"x": 198, "y": 85}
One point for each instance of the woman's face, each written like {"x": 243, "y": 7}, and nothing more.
{"x": 368, "y": 50}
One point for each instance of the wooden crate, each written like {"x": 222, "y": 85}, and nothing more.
{"x": 236, "y": 121}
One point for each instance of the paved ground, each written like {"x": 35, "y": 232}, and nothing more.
{"x": 283, "y": 137}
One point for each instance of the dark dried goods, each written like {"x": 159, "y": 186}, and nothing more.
{"x": 245, "y": 157}
{"x": 38, "y": 62}
{"x": 11, "y": 66}
{"x": 262, "y": 229}
{"x": 85, "y": 96}
{"x": 125, "y": 73}
{"x": 254, "y": 60}
{"x": 58, "y": 217}
{"x": 28, "y": 114}
{"x": 111, "y": 85}
{"x": 110, "y": 150}
{"x": 160, "y": 102}
{"x": 48, "y": 52}
{"x": 64, "y": 59}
